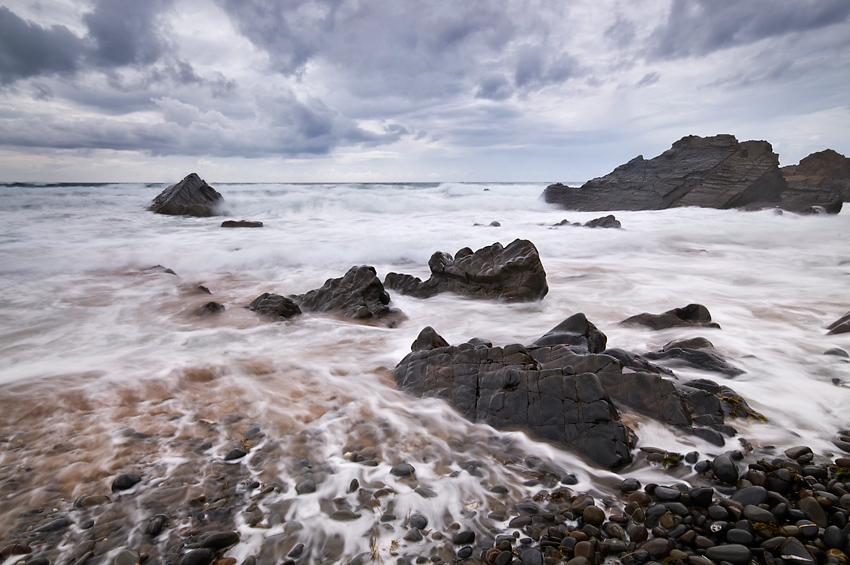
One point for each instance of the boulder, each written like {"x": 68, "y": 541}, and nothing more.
{"x": 820, "y": 183}
{"x": 710, "y": 172}
{"x": 578, "y": 331}
{"x": 513, "y": 273}
{"x": 192, "y": 196}
{"x": 275, "y": 306}
{"x": 690, "y": 315}
{"x": 506, "y": 388}
{"x": 358, "y": 294}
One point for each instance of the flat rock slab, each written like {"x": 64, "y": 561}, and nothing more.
{"x": 513, "y": 273}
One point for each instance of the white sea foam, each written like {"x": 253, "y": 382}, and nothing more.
{"x": 87, "y": 332}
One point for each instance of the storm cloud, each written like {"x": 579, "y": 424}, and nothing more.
{"x": 446, "y": 89}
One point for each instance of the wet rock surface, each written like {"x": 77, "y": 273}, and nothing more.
{"x": 241, "y": 224}
{"x": 690, "y": 315}
{"x": 513, "y": 273}
{"x": 566, "y": 390}
{"x": 190, "y": 197}
{"x": 819, "y": 183}
{"x": 711, "y": 172}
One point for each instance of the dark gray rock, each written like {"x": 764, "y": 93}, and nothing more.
{"x": 837, "y": 352}
{"x": 234, "y": 454}
{"x": 209, "y": 309}
{"x": 306, "y": 486}
{"x": 241, "y": 224}
{"x": 695, "y": 358}
{"x": 127, "y": 557}
{"x": 190, "y": 197}
{"x": 840, "y": 326}
{"x": 609, "y": 222}
{"x": 690, "y": 315}
{"x": 735, "y": 554}
{"x": 820, "y": 183}
{"x": 792, "y": 551}
{"x": 418, "y": 521}
{"x": 513, "y": 273}
{"x": 509, "y": 388}
{"x": 220, "y": 540}
{"x": 750, "y": 495}
{"x": 710, "y": 172}
{"x": 531, "y": 556}
{"x": 428, "y": 339}
{"x": 464, "y": 538}
{"x": 125, "y": 481}
{"x": 578, "y": 331}
{"x": 359, "y": 294}
{"x": 403, "y": 470}
{"x": 813, "y": 511}
{"x": 56, "y": 525}
{"x": 202, "y": 556}
{"x": 725, "y": 469}
{"x": 274, "y": 305}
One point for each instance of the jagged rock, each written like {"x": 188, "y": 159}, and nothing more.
{"x": 241, "y": 224}
{"x": 608, "y": 221}
{"x": 513, "y": 273}
{"x": 506, "y": 388}
{"x": 821, "y": 180}
{"x": 710, "y": 172}
{"x": 575, "y": 330}
{"x": 566, "y": 394}
{"x": 190, "y": 197}
{"x": 209, "y": 309}
{"x": 690, "y": 315}
{"x": 359, "y": 294}
{"x": 840, "y": 326}
{"x": 428, "y": 339}
{"x": 274, "y": 305}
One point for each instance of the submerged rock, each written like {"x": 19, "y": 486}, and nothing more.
{"x": 710, "y": 172}
{"x": 359, "y": 295}
{"x": 690, "y": 315}
{"x": 274, "y": 305}
{"x": 513, "y": 273}
{"x": 241, "y": 224}
{"x": 190, "y": 197}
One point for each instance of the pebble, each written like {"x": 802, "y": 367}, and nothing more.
{"x": 53, "y": 526}
{"x": 127, "y": 557}
{"x": 758, "y": 514}
{"x": 813, "y": 511}
{"x": 220, "y": 540}
{"x": 750, "y": 495}
{"x": 403, "y": 470}
{"x": 125, "y": 481}
{"x": 15, "y": 549}
{"x": 418, "y": 521}
{"x": 735, "y": 554}
{"x": 593, "y": 515}
{"x": 306, "y": 486}
{"x": 531, "y": 557}
{"x": 464, "y": 538}
{"x": 344, "y": 516}
{"x": 234, "y": 454}
{"x": 197, "y": 557}
{"x": 725, "y": 469}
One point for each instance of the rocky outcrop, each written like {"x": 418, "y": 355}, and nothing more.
{"x": 192, "y": 196}
{"x": 821, "y": 182}
{"x": 564, "y": 389}
{"x": 690, "y": 315}
{"x": 359, "y": 294}
{"x": 710, "y": 172}
{"x": 513, "y": 273}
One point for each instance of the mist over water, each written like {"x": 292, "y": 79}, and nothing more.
{"x": 98, "y": 350}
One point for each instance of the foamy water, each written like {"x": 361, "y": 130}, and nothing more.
{"x": 106, "y": 369}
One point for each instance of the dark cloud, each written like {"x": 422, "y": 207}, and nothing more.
{"x": 28, "y": 49}
{"x": 494, "y": 87}
{"x": 648, "y": 79}
{"x": 127, "y": 32}
{"x": 621, "y": 32}
{"x": 700, "y": 27}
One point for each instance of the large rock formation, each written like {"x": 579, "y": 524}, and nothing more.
{"x": 821, "y": 180}
{"x": 563, "y": 390}
{"x": 513, "y": 273}
{"x": 192, "y": 196}
{"x": 711, "y": 172}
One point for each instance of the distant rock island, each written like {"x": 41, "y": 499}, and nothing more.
{"x": 714, "y": 172}
{"x": 192, "y": 196}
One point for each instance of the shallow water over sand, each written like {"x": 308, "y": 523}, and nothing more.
{"x": 106, "y": 369}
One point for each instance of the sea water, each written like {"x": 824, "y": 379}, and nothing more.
{"x": 105, "y": 367}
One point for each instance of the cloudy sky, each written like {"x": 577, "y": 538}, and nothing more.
{"x": 408, "y": 90}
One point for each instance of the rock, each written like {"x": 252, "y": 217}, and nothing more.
{"x": 156, "y": 524}
{"x": 464, "y": 538}
{"x": 690, "y": 315}
{"x": 127, "y": 557}
{"x": 531, "y": 557}
{"x": 735, "y": 554}
{"x": 593, "y": 515}
{"x": 689, "y": 343}
{"x": 813, "y": 511}
{"x": 792, "y": 551}
{"x": 209, "y": 309}
{"x": 725, "y": 469}
{"x": 241, "y": 224}
{"x": 418, "y": 521}
{"x": 797, "y": 452}
{"x": 403, "y": 470}
{"x": 306, "y": 486}
{"x": 274, "y": 305}
{"x": 695, "y": 359}
{"x": 821, "y": 182}
{"x": 190, "y": 197}
{"x": 837, "y": 352}
{"x": 202, "y": 556}
{"x": 604, "y": 222}
{"x": 359, "y": 294}
{"x": 428, "y": 339}
{"x": 840, "y": 326}
{"x": 220, "y": 540}
{"x": 754, "y": 495}
{"x": 14, "y": 549}
{"x": 710, "y": 172}
{"x": 513, "y": 273}
{"x": 508, "y": 388}
{"x": 234, "y": 454}
{"x": 575, "y": 330}
{"x": 344, "y": 516}
{"x": 125, "y": 481}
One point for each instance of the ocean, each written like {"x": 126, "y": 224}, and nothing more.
{"x": 106, "y": 369}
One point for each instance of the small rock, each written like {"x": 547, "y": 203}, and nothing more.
{"x": 759, "y": 515}
{"x": 797, "y": 452}
{"x": 155, "y": 525}
{"x": 403, "y": 470}
{"x": 418, "y": 521}
{"x": 305, "y": 486}
{"x": 14, "y": 549}
{"x": 750, "y": 495}
{"x": 814, "y": 511}
{"x": 220, "y": 540}
{"x": 55, "y": 526}
{"x": 296, "y": 551}
{"x": 202, "y": 556}
{"x": 531, "y": 557}
{"x": 464, "y": 552}
{"x": 209, "y": 309}
{"x": 593, "y": 515}
{"x": 464, "y": 538}
{"x": 724, "y": 469}
{"x": 241, "y": 224}
{"x": 235, "y": 454}
{"x": 125, "y": 481}
{"x": 344, "y": 516}
{"x": 735, "y": 554}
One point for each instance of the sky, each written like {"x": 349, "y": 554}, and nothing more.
{"x": 408, "y": 90}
